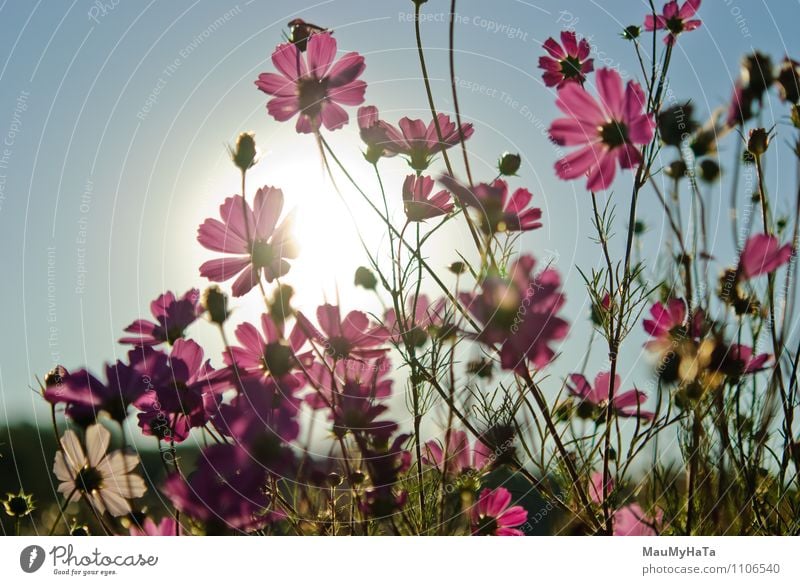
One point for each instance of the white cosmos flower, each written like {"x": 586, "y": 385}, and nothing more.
{"x": 104, "y": 478}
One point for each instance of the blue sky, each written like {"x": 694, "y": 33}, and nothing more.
{"x": 115, "y": 117}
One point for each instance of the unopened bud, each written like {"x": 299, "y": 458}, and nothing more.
{"x": 365, "y": 278}
{"x": 216, "y": 303}
{"x": 509, "y": 164}
{"x": 244, "y": 154}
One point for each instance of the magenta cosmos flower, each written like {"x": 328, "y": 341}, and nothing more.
{"x": 326, "y": 381}
{"x": 85, "y": 396}
{"x": 608, "y": 129}
{"x": 520, "y": 314}
{"x": 312, "y": 85}
{"x": 167, "y": 527}
{"x": 674, "y": 20}
{"x": 568, "y": 61}
{"x": 184, "y": 394}
{"x": 632, "y": 521}
{"x": 667, "y": 324}
{"x": 460, "y": 456}
{"x": 354, "y": 336}
{"x": 596, "y": 486}
{"x": 498, "y": 211}
{"x": 493, "y": 514}
{"x": 418, "y": 203}
{"x": 172, "y": 317}
{"x": 763, "y": 254}
{"x": 627, "y": 404}
{"x": 226, "y": 491}
{"x": 372, "y": 133}
{"x": 420, "y": 143}
{"x": 261, "y": 245}
{"x": 268, "y": 352}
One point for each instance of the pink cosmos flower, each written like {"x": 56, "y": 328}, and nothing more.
{"x": 567, "y": 62}
{"x": 747, "y": 359}
{"x": 520, "y": 313}
{"x": 493, "y": 514}
{"x": 596, "y": 487}
{"x": 608, "y": 129}
{"x": 420, "y": 318}
{"x": 674, "y": 20}
{"x": 172, "y": 317}
{"x": 632, "y": 521}
{"x": 262, "y": 419}
{"x": 375, "y": 374}
{"x": 86, "y": 396}
{"x": 356, "y": 411}
{"x": 261, "y": 246}
{"x": 418, "y": 203}
{"x": 226, "y": 491}
{"x": 498, "y": 212}
{"x": 354, "y": 336}
{"x": 312, "y": 85}
{"x": 460, "y": 456}
{"x": 763, "y": 254}
{"x": 267, "y": 352}
{"x": 372, "y": 133}
{"x": 627, "y": 404}
{"x": 420, "y": 143}
{"x": 184, "y": 394}
{"x": 167, "y": 527}
{"x": 665, "y": 320}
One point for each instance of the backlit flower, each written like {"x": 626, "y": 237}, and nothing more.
{"x": 418, "y": 203}
{"x": 267, "y": 352}
{"x": 498, "y": 211}
{"x": 420, "y": 143}
{"x": 354, "y": 336}
{"x": 184, "y": 394}
{"x": 105, "y": 479}
{"x": 167, "y": 527}
{"x": 520, "y": 314}
{"x": 225, "y": 492}
{"x": 460, "y": 456}
{"x": 763, "y": 254}
{"x": 568, "y": 61}
{"x": 261, "y": 246}
{"x": 674, "y": 20}
{"x": 632, "y": 521}
{"x": 493, "y": 514}
{"x": 172, "y": 317}
{"x": 626, "y": 404}
{"x": 608, "y": 129}
{"x": 312, "y": 85}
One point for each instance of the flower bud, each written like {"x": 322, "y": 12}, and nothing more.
{"x": 457, "y": 267}
{"x": 509, "y": 164}
{"x": 55, "y": 376}
{"x": 788, "y": 81}
{"x": 280, "y": 304}
{"x": 676, "y": 123}
{"x": 333, "y": 480}
{"x": 709, "y": 170}
{"x": 244, "y": 154}
{"x": 757, "y": 73}
{"x": 365, "y": 278}
{"x": 216, "y": 303}
{"x": 758, "y": 141}
{"x": 632, "y": 32}
{"x": 676, "y": 169}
